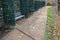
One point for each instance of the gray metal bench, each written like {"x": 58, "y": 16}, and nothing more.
{"x": 18, "y": 15}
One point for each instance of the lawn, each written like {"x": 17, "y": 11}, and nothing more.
{"x": 49, "y": 25}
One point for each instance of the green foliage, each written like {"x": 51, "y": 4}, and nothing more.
{"x": 50, "y": 25}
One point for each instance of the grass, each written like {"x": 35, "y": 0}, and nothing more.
{"x": 49, "y": 25}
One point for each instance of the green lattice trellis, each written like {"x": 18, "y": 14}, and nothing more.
{"x": 8, "y": 11}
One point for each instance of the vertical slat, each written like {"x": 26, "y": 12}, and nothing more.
{"x": 1, "y": 15}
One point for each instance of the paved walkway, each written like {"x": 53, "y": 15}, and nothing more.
{"x": 32, "y": 28}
